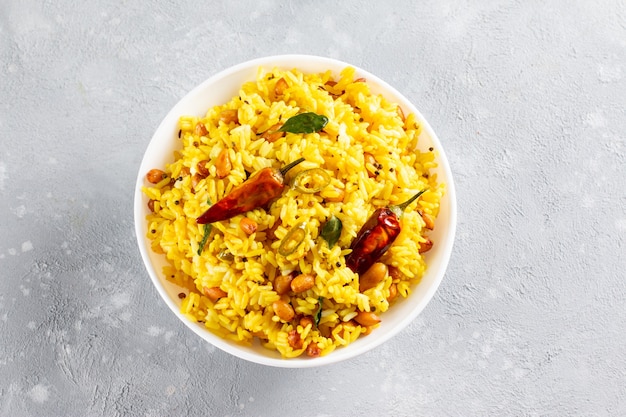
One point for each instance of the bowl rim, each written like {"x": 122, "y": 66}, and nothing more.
{"x": 301, "y": 61}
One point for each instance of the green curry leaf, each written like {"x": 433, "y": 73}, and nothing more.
{"x": 318, "y": 315}
{"x": 304, "y": 123}
{"x": 207, "y": 231}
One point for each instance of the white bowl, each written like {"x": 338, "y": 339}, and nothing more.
{"x": 218, "y": 90}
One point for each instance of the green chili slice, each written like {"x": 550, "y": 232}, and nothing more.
{"x": 293, "y": 239}
{"x": 207, "y": 232}
{"x": 225, "y": 255}
{"x": 311, "y": 181}
{"x": 331, "y": 231}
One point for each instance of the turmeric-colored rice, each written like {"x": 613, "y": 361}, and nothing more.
{"x": 245, "y": 267}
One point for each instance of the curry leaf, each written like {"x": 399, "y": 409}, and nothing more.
{"x": 318, "y": 315}
{"x": 304, "y": 123}
{"x": 331, "y": 231}
{"x": 207, "y": 231}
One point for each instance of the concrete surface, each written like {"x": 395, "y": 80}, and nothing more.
{"x": 528, "y": 99}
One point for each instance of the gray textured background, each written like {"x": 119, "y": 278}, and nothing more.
{"x": 529, "y": 102}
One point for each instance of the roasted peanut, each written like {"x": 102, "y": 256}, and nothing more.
{"x": 260, "y": 335}
{"x": 294, "y": 339}
{"x": 273, "y": 134}
{"x": 280, "y": 87}
{"x": 184, "y": 171}
{"x": 282, "y": 284}
{"x": 151, "y": 205}
{"x": 368, "y": 330}
{"x": 248, "y": 225}
{"x": 395, "y": 273}
{"x": 222, "y": 164}
{"x": 302, "y": 283}
{"x": 195, "y": 180}
{"x": 372, "y": 276}
{"x": 425, "y": 246}
{"x": 313, "y": 351}
{"x": 200, "y": 129}
{"x": 202, "y": 169}
{"x": 214, "y": 293}
{"x": 229, "y": 116}
{"x": 429, "y": 221}
{"x": 360, "y": 80}
{"x": 283, "y": 310}
{"x": 306, "y": 320}
{"x": 155, "y": 176}
{"x": 365, "y": 318}
{"x": 393, "y": 292}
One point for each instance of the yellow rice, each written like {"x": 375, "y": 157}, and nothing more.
{"x": 359, "y": 122}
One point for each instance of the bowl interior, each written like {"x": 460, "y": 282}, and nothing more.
{"x": 218, "y": 90}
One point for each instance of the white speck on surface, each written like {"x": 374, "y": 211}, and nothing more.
{"x": 52, "y": 160}
{"x": 587, "y": 201}
{"x": 120, "y": 300}
{"x": 595, "y": 120}
{"x": 39, "y": 393}
{"x": 170, "y": 390}
{"x": 20, "y": 211}
{"x": 31, "y": 325}
{"x": 486, "y": 350}
{"x": 27, "y": 246}
{"x": 328, "y": 23}
{"x": 12, "y": 251}
{"x": 609, "y": 74}
{"x": 519, "y": 373}
{"x": 3, "y": 174}
{"x": 251, "y": 399}
{"x": 493, "y": 293}
{"x": 620, "y": 224}
{"x": 476, "y": 335}
{"x": 154, "y": 331}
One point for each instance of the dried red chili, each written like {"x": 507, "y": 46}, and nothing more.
{"x": 258, "y": 190}
{"x": 376, "y": 236}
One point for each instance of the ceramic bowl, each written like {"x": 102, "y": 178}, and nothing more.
{"x": 219, "y": 89}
